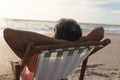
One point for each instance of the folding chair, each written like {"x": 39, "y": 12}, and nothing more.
{"x": 57, "y": 61}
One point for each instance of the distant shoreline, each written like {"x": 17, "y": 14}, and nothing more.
{"x": 16, "y": 19}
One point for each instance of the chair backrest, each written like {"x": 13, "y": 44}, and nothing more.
{"x": 56, "y": 64}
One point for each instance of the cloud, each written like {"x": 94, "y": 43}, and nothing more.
{"x": 115, "y": 11}
{"x": 103, "y": 2}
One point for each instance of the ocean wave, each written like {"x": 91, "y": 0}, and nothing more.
{"x": 47, "y": 26}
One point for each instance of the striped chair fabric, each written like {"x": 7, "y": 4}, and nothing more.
{"x": 58, "y": 63}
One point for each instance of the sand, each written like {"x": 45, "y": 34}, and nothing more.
{"x": 104, "y": 65}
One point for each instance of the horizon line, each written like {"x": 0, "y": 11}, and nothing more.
{"x": 21, "y": 19}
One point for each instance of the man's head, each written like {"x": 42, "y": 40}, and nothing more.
{"x": 67, "y": 29}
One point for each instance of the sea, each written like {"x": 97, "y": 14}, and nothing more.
{"x": 46, "y": 27}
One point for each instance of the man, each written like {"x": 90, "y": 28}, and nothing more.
{"x": 18, "y": 40}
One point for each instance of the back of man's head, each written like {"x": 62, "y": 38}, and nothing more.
{"x": 67, "y": 29}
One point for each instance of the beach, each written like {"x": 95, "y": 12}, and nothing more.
{"x": 103, "y": 65}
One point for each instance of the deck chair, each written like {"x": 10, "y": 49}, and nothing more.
{"x": 56, "y": 62}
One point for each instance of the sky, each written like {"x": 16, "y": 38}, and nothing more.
{"x": 83, "y": 11}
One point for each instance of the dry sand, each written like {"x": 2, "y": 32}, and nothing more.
{"x": 104, "y": 65}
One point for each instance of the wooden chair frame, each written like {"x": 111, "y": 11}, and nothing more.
{"x": 18, "y": 67}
